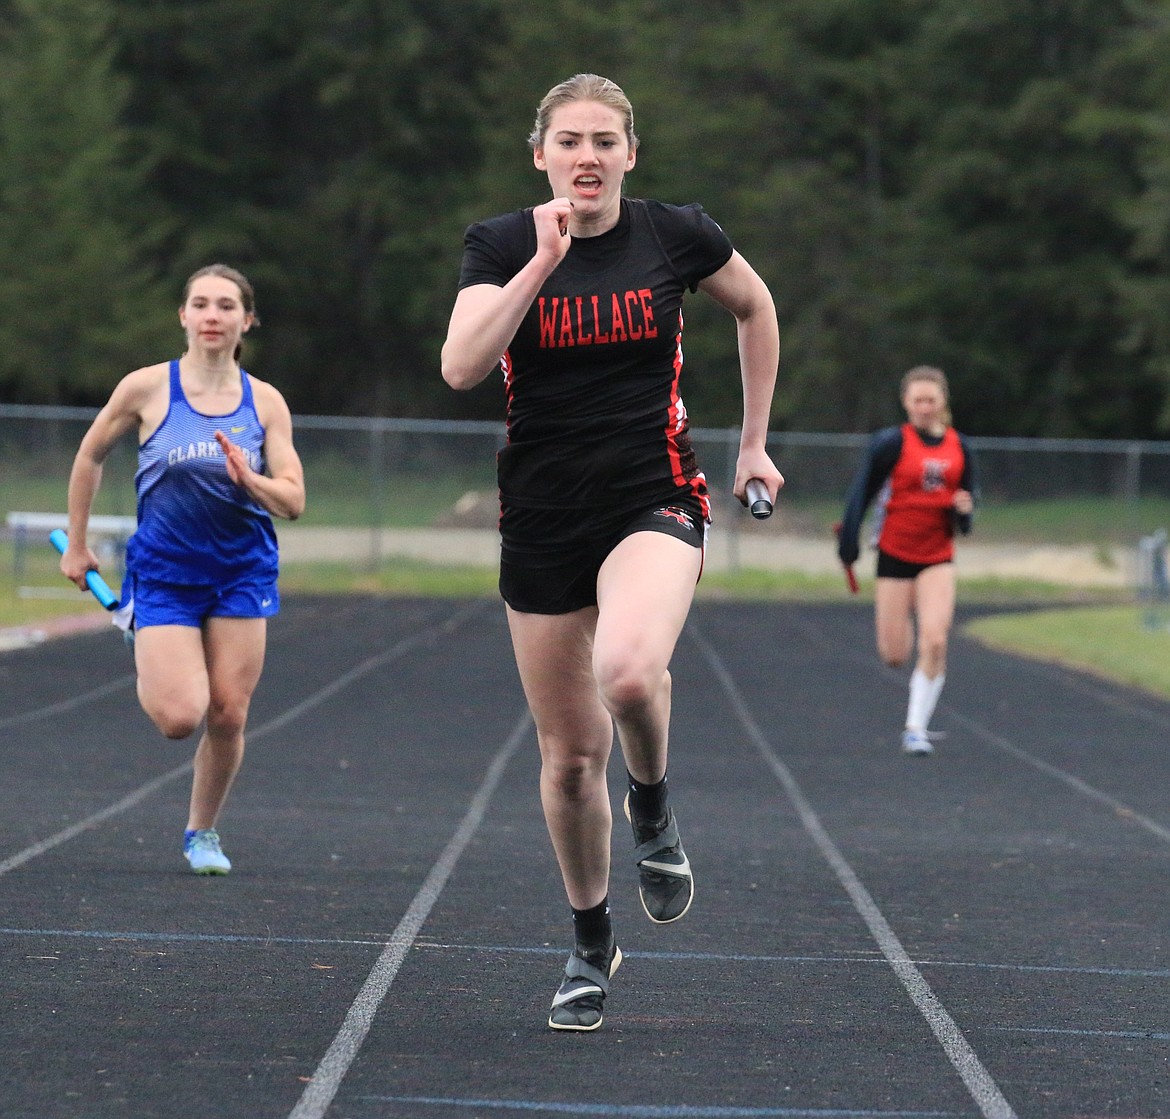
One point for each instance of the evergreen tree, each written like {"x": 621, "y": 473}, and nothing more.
{"x": 81, "y": 307}
{"x": 323, "y": 148}
{"x": 1137, "y": 76}
{"x": 981, "y": 184}
{"x": 1021, "y": 189}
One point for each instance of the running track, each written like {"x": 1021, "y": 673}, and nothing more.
{"x": 981, "y": 933}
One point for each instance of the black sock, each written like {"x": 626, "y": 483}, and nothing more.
{"x": 647, "y": 802}
{"x": 593, "y": 932}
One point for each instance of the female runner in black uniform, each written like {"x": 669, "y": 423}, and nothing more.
{"x": 603, "y": 507}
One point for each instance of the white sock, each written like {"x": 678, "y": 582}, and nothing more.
{"x": 924, "y": 693}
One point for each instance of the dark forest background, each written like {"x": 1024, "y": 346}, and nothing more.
{"x": 978, "y": 184}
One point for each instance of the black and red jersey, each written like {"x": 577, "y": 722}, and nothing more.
{"x": 594, "y": 411}
{"x": 920, "y": 474}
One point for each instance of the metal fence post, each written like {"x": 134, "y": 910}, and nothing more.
{"x": 376, "y": 494}
{"x": 730, "y": 456}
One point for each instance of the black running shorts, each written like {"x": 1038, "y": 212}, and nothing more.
{"x": 550, "y": 558}
{"x": 890, "y": 567}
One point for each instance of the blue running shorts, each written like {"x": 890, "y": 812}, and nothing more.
{"x": 171, "y": 604}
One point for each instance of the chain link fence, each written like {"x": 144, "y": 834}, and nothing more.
{"x": 380, "y": 487}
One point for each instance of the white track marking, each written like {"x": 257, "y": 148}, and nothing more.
{"x": 326, "y": 1080}
{"x": 983, "y": 1089}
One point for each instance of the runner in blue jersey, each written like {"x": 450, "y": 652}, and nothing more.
{"x": 215, "y": 461}
{"x": 604, "y": 508}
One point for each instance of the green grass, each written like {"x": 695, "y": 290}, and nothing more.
{"x": 1100, "y": 632}
{"x": 401, "y": 578}
{"x": 1074, "y": 520}
{"x": 1126, "y": 644}
{"x": 404, "y": 500}
{"x": 40, "y": 592}
{"x": 1057, "y": 521}
{"x": 413, "y": 490}
{"x": 338, "y": 492}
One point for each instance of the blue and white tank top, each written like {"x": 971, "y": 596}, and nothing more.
{"x": 195, "y": 525}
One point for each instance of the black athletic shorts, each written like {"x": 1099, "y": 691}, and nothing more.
{"x": 550, "y": 558}
{"x": 890, "y": 567}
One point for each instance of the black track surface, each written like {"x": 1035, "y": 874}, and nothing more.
{"x": 979, "y": 933}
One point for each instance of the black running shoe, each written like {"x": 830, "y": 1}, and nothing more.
{"x": 665, "y": 883}
{"x": 577, "y": 1004}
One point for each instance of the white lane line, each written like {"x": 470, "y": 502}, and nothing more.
{"x": 1083, "y": 787}
{"x": 1064, "y": 678}
{"x": 266, "y": 941}
{"x": 370, "y": 664}
{"x": 85, "y": 698}
{"x": 69, "y": 704}
{"x": 128, "y": 801}
{"x": 327, "y": 1077}
{"x": 983, "y": 1089}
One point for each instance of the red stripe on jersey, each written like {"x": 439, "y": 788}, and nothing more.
{"x": 676, "y": 430}
{"x": 506, "y": 369}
